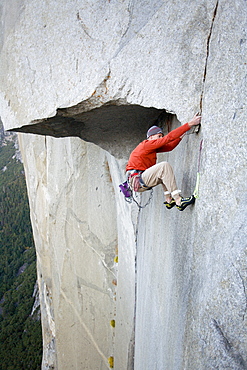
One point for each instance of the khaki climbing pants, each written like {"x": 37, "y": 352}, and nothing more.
{"x": 161, "y": 173}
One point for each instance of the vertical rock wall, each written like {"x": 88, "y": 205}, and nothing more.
{"x": 104, "y": 71}
{"x": 73, "y": 211}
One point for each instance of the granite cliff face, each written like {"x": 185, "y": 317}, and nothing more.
{"x": 82, "y": 81}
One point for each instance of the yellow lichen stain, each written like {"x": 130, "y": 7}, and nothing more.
{"x": 111, "y": 362}
{"x": 116, "y": 259}
{"x": 225, "y": 284}
{"x": 112, "y": 323}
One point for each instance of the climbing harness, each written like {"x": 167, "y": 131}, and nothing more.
{"x": 196, "y": 191}
{"x": 129, "y": 195}
{"x": 137, "y": 184}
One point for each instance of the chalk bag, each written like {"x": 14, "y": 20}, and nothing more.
{"x": 125, "y": 189}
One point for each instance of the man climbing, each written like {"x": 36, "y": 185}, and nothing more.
{"x": 143, "y": 172}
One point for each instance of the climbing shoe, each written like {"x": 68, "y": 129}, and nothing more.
{"x": 185, "y": 202}
{"x": 170, "y": 205}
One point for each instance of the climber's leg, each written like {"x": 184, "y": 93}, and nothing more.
{"x": 162, "y": 173}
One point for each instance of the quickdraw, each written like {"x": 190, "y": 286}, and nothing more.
{"x": 196, "y": 191}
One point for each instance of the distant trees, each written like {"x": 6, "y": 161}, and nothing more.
{"x": 20, "y": 334}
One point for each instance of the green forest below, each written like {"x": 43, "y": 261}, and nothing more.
{"x": 20, "y": 333}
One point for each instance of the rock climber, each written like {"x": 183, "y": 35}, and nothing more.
{"x": 143, "y": 173}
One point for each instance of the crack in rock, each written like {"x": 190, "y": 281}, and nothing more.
{"x": 229, "y": 349}
{"x": 244, "y": 289}
{"x": 85, "y": 29}
{"x": 140, "y": 13}
{"x": 207, "y": 55}
{"x": 86, "y": 328}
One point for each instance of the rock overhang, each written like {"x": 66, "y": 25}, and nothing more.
{"x": 114, "y": 126}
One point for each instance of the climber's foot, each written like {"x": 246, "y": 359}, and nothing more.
{"x": 170, "y": 204}
{"x": 185, "y": 202}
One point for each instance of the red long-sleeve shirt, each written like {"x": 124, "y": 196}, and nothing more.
{"x": 145, "y": 154}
